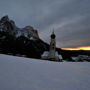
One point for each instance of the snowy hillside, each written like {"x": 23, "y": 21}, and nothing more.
{"x": 18, "y": 73}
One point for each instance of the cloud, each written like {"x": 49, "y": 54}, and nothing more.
{"x": 69, "y": 18}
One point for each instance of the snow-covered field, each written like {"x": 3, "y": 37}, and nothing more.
{"x": 18, "y": 73}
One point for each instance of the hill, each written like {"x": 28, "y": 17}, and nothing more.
{"x": 18, "y": 73}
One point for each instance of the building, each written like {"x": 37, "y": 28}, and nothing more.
{"x": 81, "y": 58}
{"x": 52, "y": 54}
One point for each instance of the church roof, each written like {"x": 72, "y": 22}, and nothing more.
{"x": 45, "y": 53}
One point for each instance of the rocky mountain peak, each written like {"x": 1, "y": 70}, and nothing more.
{"x": 9, "y": 26}
{"x": 5, "y": 18}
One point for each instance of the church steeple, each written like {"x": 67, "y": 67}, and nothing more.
{"x": 52, "y": 54}
{"x": 52, "y": 46}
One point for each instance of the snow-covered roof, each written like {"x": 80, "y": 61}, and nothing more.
{"x": 45, "y": 53}
{"x": 75, "y": 58}
{"x": 56, "y": 53}
{"x": 60, "y": 56}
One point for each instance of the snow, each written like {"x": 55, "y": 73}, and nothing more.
{"x": 18, "y": 73}
{"x": 60, "y": 57}
{"x": 56, "y": 53}
{"x": 45, "y": 53}
{"x": 32, "y": 38}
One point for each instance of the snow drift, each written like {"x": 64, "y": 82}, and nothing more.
{"x": 18, "y": 73}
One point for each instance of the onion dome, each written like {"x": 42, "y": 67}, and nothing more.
{"x": 53, "y": 35}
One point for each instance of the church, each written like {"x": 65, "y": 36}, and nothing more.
{"x": 52, "y": 54}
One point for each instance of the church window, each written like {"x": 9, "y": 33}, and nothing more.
{"x": 53, "y": 44}
{"x": 53, "y": 47}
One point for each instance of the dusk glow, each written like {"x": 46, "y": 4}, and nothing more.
{"x": 78, "y": 48}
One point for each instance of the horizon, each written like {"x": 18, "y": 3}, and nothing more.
{"x": 87, "y": 48}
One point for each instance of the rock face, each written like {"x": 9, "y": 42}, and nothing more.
{"x": 9, "y": 26}
{"x": 20, "y": 41}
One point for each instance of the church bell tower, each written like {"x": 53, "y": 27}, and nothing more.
{"x": 52, "y": 47}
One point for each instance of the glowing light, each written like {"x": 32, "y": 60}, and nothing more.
{"x": 78, "y": 48}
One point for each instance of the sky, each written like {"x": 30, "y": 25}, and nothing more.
{"x": 69, "y": 18}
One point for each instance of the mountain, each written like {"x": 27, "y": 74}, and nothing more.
{"x": 20, "y": 41}
{"x": 8, "y": 26}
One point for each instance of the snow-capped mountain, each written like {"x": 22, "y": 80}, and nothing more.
{"x": 9, "y": 26}
{"x": 20, "y": 41}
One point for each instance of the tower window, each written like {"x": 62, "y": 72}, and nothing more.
{"x": 53, "y": 44}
